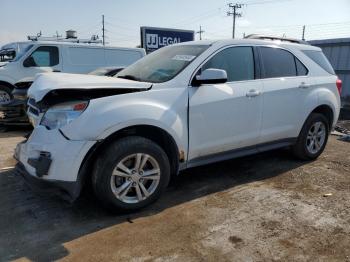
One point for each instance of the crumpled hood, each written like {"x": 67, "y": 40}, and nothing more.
{"x": 45, "y": 83}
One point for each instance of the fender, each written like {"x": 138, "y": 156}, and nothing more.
{"x": 329, "y": 96}
{"x": 5, "y": 78}
{"x": 165, "y": 109}
{"x": 320, "y": 97}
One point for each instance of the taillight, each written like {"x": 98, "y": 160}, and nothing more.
{"x": 339, "y": 84}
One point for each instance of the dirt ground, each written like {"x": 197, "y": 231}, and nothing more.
{"x": 267, "y": 207}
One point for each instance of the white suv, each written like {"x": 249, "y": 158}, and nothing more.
{"x": 182, "y": 106}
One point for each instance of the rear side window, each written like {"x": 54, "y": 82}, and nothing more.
{"x": 238, "y": 62}
{"x": 319, "y": 58}
{"x": 87, "y": 56}
{"x": 278, "y": 62}
{"x": 301, "y": 69}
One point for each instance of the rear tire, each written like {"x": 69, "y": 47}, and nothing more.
{"x": 313, "y": 137}
{"x": 131, "y": 174}
{"x": 5, "y": 95}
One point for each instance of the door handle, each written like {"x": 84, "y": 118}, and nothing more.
{"x": 56, "y": 71}
{"x": 253, "y": 93}
{"x": 303, "y": 85}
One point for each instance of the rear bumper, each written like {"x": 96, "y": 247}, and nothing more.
{"x": 14, "y": 113}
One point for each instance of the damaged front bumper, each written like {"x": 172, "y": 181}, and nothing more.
{"x": 14, "y": 113}
{"x": 51, "y": 162}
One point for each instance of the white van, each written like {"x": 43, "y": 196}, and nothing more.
{"x": 35, "y": 57}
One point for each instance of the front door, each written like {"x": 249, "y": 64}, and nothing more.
{"x": 41, "y": 60}
{"x": 225, "y": 117}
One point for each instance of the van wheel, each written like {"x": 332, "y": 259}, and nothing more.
{"x": 5, "y": 95}
{"x": 313, "y": 137}
{"x": 131, "y": 174}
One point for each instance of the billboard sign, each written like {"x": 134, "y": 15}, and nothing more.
{"x": 153, "y": 38}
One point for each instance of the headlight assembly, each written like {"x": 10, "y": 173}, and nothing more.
{"x": 62, "y": 114}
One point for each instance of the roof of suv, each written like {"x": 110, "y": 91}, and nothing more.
{"x": 226, "y": 42}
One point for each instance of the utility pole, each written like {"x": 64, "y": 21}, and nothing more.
{"x": 200, "y": 32}
{"x": 303, "y": 38}
{"x": 103, "y": 29}
{"x": 233, "y": 12}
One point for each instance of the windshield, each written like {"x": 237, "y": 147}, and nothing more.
{"x": 22, "y": 50}
{"x": 162, "y": 65}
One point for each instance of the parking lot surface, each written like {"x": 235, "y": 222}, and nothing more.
{"x": 258, "y": 208}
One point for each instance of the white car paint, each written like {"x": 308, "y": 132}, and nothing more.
{"x": 73, "y": 58}
{"x": 205, "y": 120}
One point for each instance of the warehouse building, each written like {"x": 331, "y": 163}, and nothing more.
{"x": 338, "y": 53}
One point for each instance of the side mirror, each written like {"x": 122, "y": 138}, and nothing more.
{"x": 29, "y": 62}
{"x": 211, "y": 76}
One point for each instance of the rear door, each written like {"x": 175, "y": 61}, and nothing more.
{"x": 285, "y": 86}
{"x": 225, "y": 117}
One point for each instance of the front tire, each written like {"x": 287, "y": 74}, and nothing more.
{"x": 313, "y": 137}
{"x": 131, "y": 174}
{"x": 5, "y": 95}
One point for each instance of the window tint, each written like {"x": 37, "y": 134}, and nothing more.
{"x": 45, "y": 56}
{"x": 278, "y": 62}
{"x": 237, "y": 61}
{"x": 301, "y": 69}
{"x": 319, "y": 58}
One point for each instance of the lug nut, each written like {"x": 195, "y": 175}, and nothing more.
{"x": 141, "y": 180}
{"x": 134, "y": 184}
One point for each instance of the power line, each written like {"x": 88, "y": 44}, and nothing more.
{"x": 204, "y": 15}
{"x": 234, "y": 14}
{"x": 266, "y": 2}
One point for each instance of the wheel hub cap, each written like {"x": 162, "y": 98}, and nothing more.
{"x": 4, "y": 97}
{"x": 135, "y": 178}
{"x": 316, "y": 137}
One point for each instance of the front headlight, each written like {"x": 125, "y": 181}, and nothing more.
{"x": 62, "y": 114}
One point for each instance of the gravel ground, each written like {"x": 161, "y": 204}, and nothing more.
{"x": 260, "y": 208}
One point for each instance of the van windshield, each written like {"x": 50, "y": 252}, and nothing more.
{"x": 162, "y": 65}
{"x": 22, "y": 50}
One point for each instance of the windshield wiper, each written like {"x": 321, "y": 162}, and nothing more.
{"x": 129, "y": 77}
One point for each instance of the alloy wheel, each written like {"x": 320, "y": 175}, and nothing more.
{"x": 4, "y": 97}
{"x": 316, "y": 137}
{"x": 135, "y": 178}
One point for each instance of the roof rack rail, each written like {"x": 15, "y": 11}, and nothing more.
{"x": 284, "y": 39}
{"x": 94, "y": 39}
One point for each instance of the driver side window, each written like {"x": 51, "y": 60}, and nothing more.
{"x": 44, "y": 56}
{"x": 238, "y": 62}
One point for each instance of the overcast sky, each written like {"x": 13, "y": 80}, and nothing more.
{"x": 323, "y": 19}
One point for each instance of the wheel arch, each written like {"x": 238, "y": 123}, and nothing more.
{"x": 7, "y": 84}
{"x": 154, "y": 133}
{"x": 327, "y": 111}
